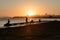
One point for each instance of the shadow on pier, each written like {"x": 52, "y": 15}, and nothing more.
{"x": 43, "y": 31}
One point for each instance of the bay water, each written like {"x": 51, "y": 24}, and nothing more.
{"x": 19, "y": 20}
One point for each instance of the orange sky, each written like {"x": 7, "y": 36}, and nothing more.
{"x": 21, "y": 7}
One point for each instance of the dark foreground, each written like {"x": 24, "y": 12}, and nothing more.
{"x": 44, "y": 31}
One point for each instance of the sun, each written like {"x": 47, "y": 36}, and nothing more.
{"x": 30, "y": 13}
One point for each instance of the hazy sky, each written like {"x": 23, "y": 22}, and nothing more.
{"x": 18, "y": 7}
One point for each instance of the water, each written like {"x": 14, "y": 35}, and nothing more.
{"x": 34, "y": 32}
{"x": 4, "y": 21}
{"x": 19, "y": 20}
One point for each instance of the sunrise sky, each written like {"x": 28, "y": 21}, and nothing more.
{"x": 22, "y": 7}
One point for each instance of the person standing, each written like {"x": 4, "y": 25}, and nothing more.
{"x": 8, "y": 21}
{"x": 26, "y": 20}
{"x": 39, "y": 20}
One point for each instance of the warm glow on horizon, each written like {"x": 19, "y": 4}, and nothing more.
{"x": 11, "y": 8}
{"x": 30, "y": 13}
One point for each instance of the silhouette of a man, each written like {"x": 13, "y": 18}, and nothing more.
{"x": 8, "y": 21}
{"x": 26, "y": 20}
{"x": 39, "y": 20}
